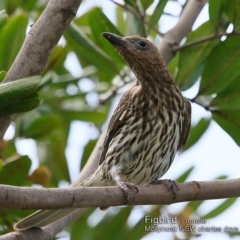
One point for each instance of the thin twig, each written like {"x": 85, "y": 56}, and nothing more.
{"x": 171, "y": 15}
{"x": 206, "y": 107}
{"x": 113, "y": 91}
{"x": 136, "y": 14}
{"x": 205, "y": 39}
{"x": 142, "y": 20}
{"x": 127, "y": 8}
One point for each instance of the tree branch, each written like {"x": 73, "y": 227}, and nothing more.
{"x": 39, "y": 43}
{"x": 205, "y": 39}
{"x": 142, "y": 19}
{"x": 114, "y": 89}
{"x": 45, "y": 233}
{"x": 173, "y": 37}
{"x": 81, "y": 197}
{"x": 137, "y": 15}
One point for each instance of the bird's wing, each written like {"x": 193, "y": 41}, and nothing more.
{"x": 116, "y": 121}
{"x": 186, "y": 125}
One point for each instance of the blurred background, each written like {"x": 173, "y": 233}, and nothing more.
{"x": 82, "y": 84}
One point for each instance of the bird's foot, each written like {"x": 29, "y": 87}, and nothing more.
{"x": 170, "y": 184}
{"x": 129, "y": 196}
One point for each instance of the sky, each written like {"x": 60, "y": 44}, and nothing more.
{"x": 214, "y": 155}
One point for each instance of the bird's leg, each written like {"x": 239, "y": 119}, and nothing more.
{"x": 124, "y": 186}
{"x": 170, "y": 184}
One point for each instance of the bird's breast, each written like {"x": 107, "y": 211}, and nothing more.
{"x": 145, "y": 146}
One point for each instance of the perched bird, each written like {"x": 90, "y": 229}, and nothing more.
{"x": 150, "y": 124}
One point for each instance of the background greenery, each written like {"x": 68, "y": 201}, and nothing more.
{"x": 62, "y": 99}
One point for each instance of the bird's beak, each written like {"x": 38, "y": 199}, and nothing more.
{"x": 115, "y": 39}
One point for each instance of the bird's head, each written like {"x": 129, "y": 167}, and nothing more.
{"x": 141, "y": 55}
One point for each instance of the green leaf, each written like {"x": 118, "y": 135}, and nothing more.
{"x": 185, "y": 175}
{"x": 28, "y": 5}
{"x": 8, "y": 149}
{"x": 11, "y": 6}
{"x": 15, "y": 171}
{"x": 86, "y": 116}
{"x": 50, "y": 134}
{"x": 229, "y": 98}
{"x": 57, "y": 59}
{"x": 83, "y": 21}
{"x": 222, "y": 177}
{"x": 23, "y": 105}
{"x": 146, "y": 4}
{"x": 135, "y": 25}
{"x": 196, "y": 132}
{"x": 16, "y": 91}
{"x": 23, "y": 121}
{"x": 118, "y": 224}
{"x": 89, "y": 52}
{"x": 80, "y": 227}
{"x": 120, "y": 20}
{"x": 130, "y": 2}
{"x": 232, "y": 234}
{"x": 192, "y": 58}
{"x": 3, "y": 18}
{"x": 232, "y": 9}
{"x": 52, "y": 153}
{"x": 229, "y": 120}
{"x": 87, "y": 152}
{"x": 214, "y": 13}
{"x": 11, "y": 38}
{"x": 220, "y": 209}
{"x": 173, "y": 65}
{"x": 43, "y": 126}
{"x": 100, "y": 23}
{"x": 1, "y": 165}
{"x": 2, "y": 75}
{"x": 222, "y": 66}
{"x": 194, "y": 205}
{"x": 62, "y": 81}
{"x": 158, "y": 11}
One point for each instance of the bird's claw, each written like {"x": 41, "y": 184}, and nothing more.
{"x": 170, "y": 184}
{"x": 125, "y": 186}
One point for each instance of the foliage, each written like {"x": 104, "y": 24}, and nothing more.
{"x": 204, "y": 56}
{"x": 19, "y": 96}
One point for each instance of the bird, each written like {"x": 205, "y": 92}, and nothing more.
{"x": 150, "y": 124}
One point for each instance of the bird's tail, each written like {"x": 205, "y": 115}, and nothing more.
{"x": 42, "y": 218}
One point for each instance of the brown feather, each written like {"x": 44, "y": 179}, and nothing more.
{"x": 116, "y": 121}
{"x": 186, "y": 126}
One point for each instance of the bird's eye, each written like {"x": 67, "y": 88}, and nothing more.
{"x": 142, "y": 44}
